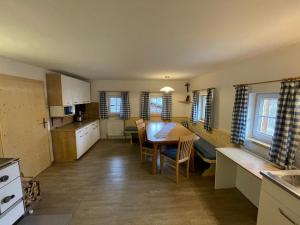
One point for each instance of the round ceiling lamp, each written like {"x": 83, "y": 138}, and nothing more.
{"x": 167, "y": 89}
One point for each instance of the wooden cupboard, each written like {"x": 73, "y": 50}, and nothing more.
{"x": 66, "y": 91}
{"x": 71, "y": 141}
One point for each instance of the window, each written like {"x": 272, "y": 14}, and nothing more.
{"x": 114, "y": 104}
{"x": 264, "y": 117}
{"x": 155, "y": 104}
{"x": 202, "y": 106}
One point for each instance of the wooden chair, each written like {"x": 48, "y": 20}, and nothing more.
{"x": 139, "y": 121}
{"x": 145, "y": 147}
{"x": 178, "y": 154}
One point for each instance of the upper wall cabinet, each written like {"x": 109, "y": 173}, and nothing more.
{"x": 67, "y": 91}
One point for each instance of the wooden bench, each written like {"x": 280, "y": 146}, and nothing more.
{"x": 207, "y": 152}
{"x": 130, "y": 130}
{"x": 240, "y": 168}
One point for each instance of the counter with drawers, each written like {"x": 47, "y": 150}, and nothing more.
{"x": 71, "y": 141}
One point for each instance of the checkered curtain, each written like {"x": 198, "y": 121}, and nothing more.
{"x": 103, "y": 106}
{"x": 166, "y": 113}
{"x": 195, "y": 107}
{"x": 239, "y": 116}
{"x": 287, "y": 129}
{"x": 208, "y": 120}
{"x": 145, "y": 106}
{"x": 125, "y": 106}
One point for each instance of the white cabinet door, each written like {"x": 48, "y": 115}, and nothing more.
{"x": 67, "y": 90}
{"x": 76, "y": 91}
{"x": 271, "y": 211}
{"x": 86, "y": 92}
{"x": 80, "y": 143}
{"x": 96, "y": 132}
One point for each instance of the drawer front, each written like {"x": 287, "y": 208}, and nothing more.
{"x": 12, "y": 215}
{"x": 10, "y": 194}
{"x": 9, "y": 173}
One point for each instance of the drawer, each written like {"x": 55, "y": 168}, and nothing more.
{"x": 13, "y": 214}
{"x": 9, "y": 173}
{"x": 10, "y": 194}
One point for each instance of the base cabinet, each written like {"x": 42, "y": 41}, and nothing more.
{"x": 276, "y": 206}
{"x": 11, "y": 193}
{"x": 69, "y": 145}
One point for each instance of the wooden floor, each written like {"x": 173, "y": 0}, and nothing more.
{"x": 110, "y": 186}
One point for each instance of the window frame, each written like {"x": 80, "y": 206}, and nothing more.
{"x": 255, "y": 134}
{"x": 155, "y": 95}
{"x": 109, "y": 106}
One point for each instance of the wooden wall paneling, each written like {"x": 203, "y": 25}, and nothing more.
{"x": 22, "y": 109}
{"x": 54, "y": 89}
{"x": 216, "y": 137}
{"x": 92, "y": 110}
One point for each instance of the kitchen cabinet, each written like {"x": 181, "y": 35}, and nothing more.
{"x": 11, "y": 191}
{"x": 277, "y": 206}
{"x": 64, "y": 91}
{"x": 71, "y": 141}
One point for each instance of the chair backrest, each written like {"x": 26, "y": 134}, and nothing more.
{"x": 139, "y": 121}
{"x": 185, "y": 146}
{"x": 142, "y": 133}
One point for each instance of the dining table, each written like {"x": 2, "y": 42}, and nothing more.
{"x": 164, "y": 133}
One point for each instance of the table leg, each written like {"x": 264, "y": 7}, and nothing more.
{"x": 131, "y": 138}
{"x": 192, "y": 161}
{"x": 154, "y": 159}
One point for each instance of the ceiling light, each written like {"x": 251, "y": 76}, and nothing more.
{"x": 167, "y": 89}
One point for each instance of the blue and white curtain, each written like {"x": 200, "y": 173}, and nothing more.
{"x": 145, "y": 106}
{"x": 125, "y": 106}
{"x": 208, "y": 119}
{"x": 195, "y": 107}
{"x": 239, "y": 115}
{"x": 103, "y": 106}
{"x": 166, "y": 113}
{"x": 287, "y": 129}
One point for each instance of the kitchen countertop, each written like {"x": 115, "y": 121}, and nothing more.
{"x": 74, "y": 126}
{"x": 276, "y": 178}
{"x": 6, "y": 161}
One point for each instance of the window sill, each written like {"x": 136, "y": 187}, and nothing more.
{"x": 263, "y": 144}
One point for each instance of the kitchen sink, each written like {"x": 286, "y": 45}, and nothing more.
{"x": 287, "y": 179}
{"x": 292, "y": 180}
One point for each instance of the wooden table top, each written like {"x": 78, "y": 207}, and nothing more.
{"x": 165, "y": 132}
{"x": 252, "y": 163}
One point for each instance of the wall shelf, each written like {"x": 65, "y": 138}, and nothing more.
{"x": 185, "y": 102}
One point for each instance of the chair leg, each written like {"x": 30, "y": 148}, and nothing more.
{"x": 177, "y": 173}
{"x": 188, "y": 168}
{"x": 161, "y": 163}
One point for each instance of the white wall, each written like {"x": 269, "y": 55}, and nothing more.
{"x": 282, "y": 63}
{"x": 12, "y": 67}
{"x": 277, "y": 64}
{"x": 136, "y": 86}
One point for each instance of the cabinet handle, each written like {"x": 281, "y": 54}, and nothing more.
{"x": 4, "y": 178}
{"x": 286, "y": 216}
{"x": 7, "y": 199}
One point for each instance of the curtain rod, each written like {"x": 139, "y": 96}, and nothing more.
{"x": 203, "y": 89}
{"x": 269, "y": 81}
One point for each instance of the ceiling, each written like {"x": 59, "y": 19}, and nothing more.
{"x": 143, "y": 39}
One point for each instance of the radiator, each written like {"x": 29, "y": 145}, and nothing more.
{"x": 115, "y": 127}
